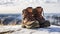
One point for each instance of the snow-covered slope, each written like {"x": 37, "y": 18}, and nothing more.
{"x": 16, "y": 29}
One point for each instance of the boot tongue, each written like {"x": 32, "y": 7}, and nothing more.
{"x": 39, "y": 13}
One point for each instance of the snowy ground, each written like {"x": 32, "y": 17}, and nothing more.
{"x": 16, "y": 29}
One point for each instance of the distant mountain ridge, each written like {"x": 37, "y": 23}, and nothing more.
{"x": 17, "y": 18}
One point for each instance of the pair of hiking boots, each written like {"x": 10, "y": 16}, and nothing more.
{"x": 34, "y": 20}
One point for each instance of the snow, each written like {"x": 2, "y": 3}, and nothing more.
{"x": 17, "y": 29}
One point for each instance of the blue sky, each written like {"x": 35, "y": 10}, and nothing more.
{"x": 16, "y": 6}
